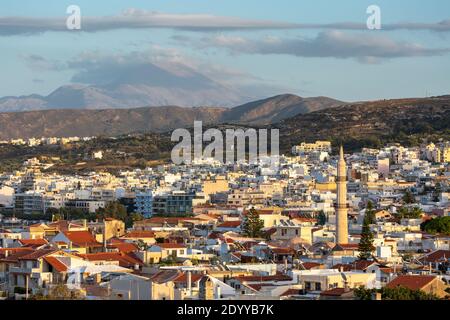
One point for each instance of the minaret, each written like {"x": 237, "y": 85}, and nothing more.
{"x": 341, "y": 205}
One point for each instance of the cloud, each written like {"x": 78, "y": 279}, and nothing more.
{"x": 142, "y": 19}
{"x": 40, "y": 63}
{"x": 138, "y": 19}
{"x": 328, "y": 44}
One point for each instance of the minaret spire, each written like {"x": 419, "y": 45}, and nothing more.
{"x": 341, "y": 205}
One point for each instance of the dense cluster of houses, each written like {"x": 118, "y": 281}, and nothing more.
{"x": 191, "y": 242}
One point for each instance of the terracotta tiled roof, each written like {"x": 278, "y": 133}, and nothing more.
{"x": 55, "y": 263}
{"x": 139, "y": 234}
{"x": 436, "y": 256}
{"x": 345, "y": 246}
{"x": 411, "y": 282}
{"x": 310, "y": 265}
{"x": 182, "y": 278}
{"x": 165, "y": 276}
{"x": 356, "y": 265}
{"x": 33, "y": 242}
{"x": 82, "y": 238}
{"x": 36, "y": 254}
{"x": 336, "y": 292}
{"x": 63, "y": 225}
{"x": 14, "y": 253}
{"x": 283, "y": 250}
{"x": 123, "y": 246}
{"x": 229, "y": 224}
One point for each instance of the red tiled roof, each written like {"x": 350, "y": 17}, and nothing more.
{"x": 229, "y": 224}
{"x": 356, "y": 265}
{"x": 123, "y": 246}
{"x": 436, "y": 256}
{"x": 336, "y": 292}
{"x": 14, "y": 253}
{"x": 345, "y": 246}
{"x": 63, "y": 225}
{"x": 55, "y": 263}
{"x": 310, "y": 265}
{"x": 82, "y": 238}
{"x": 183, "y": 278}
{"x": 165, "y": 276}
{"x": 413, "y": 282}
{"x": 139, "y": 234}
{"x": 33, "y": 242}
{"x": 36, "y": 254}
{"x": 283, "y": 250}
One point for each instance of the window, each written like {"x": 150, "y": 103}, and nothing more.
{"x": 318, "y": 286}
{"x": 308, "y": 285}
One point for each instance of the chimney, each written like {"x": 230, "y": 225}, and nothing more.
{"x": 218, "y": 292}
{"x": 6, "y": 253}
{"x": 189, "y": 283}
{"x": 84, "y": 223}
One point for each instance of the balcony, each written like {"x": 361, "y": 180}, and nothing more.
{"x": 24, "y": 270}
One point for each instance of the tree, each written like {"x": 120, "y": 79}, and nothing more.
{"x": 439, "y": 225}
{"x": 408, "y": 197}
{"x": 58, "y": 292}
{"x": 365, "y": 246}
{"x": 321, "y": 218}
{"x": 370, "y": 213}
{"x": 399, "y": 293}
{"x": 409, "y": 213}
{"x": 437, "y": 192}
{"x": 252, "y": 225}
{"x": 114, "y": 210}
{"x": 131, "y": 218}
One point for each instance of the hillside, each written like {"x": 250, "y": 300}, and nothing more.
{"x": 365, "y": 124}
{"x": 277, "y": 108}
{"x": 111, "y": 122}
{"x": 371, "y": 123}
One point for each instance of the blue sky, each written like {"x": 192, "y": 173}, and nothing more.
{"x": 407, "y": 61}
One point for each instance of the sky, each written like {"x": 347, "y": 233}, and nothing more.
{"x": 265, "y": 47}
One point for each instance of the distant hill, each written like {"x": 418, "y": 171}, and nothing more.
{"x": 277, "y": 108}
{"x": 110, "y": 122}
{"x": 372, "y": 123}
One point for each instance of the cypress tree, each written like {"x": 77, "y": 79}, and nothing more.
{"x": 365, "y": 246}
{"x": 252, "y": 225}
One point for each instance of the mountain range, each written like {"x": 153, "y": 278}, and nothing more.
{"x": 81, "y": 122}
{"x": 141, "y": 85}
